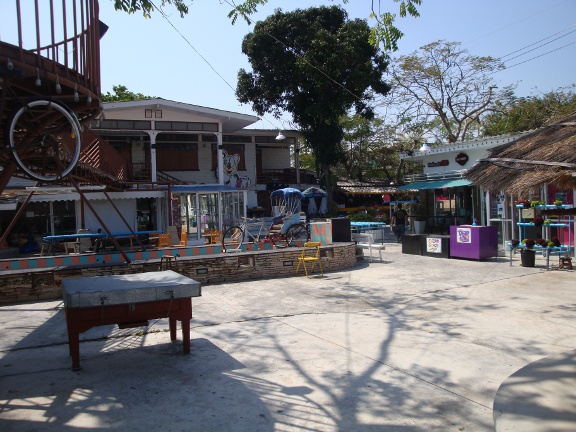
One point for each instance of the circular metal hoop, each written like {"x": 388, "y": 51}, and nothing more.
{"x": 44, "y": 138}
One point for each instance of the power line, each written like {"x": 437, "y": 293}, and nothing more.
{"x": 541, "y": 55}
{"x": 541, "y": 40}
{"x": 202, "y": 57}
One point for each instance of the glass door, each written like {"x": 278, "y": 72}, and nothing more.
{"x": 209, "y": 211}
{"x": 232, "y": 209}
{"x": 188, "y": 215}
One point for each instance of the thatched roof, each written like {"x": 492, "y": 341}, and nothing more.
{"x": 368, "y": 187}
{"x": 547, "y": 155}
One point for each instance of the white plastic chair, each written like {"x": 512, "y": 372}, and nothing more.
{"x": 366, "y": 241}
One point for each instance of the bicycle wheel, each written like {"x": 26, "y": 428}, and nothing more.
{"x": 44, "y": 138}
{"x": 278, "y": 240}
{"x": 297, "y": 235}
{"x": 232, "y": 238}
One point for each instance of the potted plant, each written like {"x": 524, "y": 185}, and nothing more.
{"x": 419, "y": 219}
{"x": 528, "y": 255}
{"x": 529, "y": 243}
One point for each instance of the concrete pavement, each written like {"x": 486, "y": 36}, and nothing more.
{"x": 409, "y": 344}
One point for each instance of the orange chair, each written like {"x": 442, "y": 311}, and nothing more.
{"x": 164, "y": 240}
{"x": 183, "y": 239}
{"x": 216, "y": 237}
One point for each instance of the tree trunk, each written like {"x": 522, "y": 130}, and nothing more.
{"x": 326, "y": 175}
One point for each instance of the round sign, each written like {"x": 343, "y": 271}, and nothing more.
{"x": 461, "y": 158}
{"x": 386, "y": 197}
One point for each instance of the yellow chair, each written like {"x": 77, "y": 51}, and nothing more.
{"x": 183, "y": 239}
{"x": 310, "y": 255}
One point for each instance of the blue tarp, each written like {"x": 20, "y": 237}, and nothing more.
{"x": 287, "y": 192}
{"x": 314, "y": 192}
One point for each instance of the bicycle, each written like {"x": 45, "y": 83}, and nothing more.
{"x": 253, "y": 230}
{"x": 298, "y": 234}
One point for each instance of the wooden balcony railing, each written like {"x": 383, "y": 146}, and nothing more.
{"x": 51, "y": 48}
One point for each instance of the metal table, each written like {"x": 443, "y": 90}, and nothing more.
{"x": 129, "y": 301}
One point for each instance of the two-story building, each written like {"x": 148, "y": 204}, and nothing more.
{"x": 231, "y": 171}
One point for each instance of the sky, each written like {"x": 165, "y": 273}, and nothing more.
{"x": 196, "y": 59}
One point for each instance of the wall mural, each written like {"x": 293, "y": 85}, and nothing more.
{"x": 231, "y": 176}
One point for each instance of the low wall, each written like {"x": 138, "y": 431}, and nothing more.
{"x": 44, "y": 283}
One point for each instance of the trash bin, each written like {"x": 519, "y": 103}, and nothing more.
{"x": 528, "y": 257}
{"x": 341, "y": 230}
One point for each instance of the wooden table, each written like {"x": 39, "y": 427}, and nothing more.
{"x": 129, "y": 301}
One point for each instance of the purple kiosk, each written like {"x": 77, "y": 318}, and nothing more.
{"x": 474, "y": 242}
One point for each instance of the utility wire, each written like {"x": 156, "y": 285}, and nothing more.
{"x": 541, "y": 40}
{"x": 525, "y": 61}
{"x": 201, "y": 56}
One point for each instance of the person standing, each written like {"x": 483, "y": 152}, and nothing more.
{"x": 399, "y": 221}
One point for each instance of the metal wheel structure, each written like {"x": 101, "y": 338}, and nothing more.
{"x": 44, "y": 138}
{"x": 297, "y": 234}
{"x": 232, "y": 238}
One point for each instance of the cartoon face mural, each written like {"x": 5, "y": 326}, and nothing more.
{"x": 231, "y": 176}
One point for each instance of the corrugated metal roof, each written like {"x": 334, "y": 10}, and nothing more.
{"x": 439, "y": 184}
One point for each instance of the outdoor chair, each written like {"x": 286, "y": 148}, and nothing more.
{"x": 70, "y": 248}
{"x": 164, "y": 240}
{"x": 310, "y": 255}
{"x": 366, "y": 241}
{"x": 183, "y": 239}
{"x": 84, "y": 244}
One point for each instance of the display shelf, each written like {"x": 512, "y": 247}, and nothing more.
{"x": 546, "y": 251}
{"x": 561, "y": 221}
{"x": 531, "y": 224}
{"x": 546, "y": 206}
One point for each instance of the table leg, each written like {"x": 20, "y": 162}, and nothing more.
{"x": 172, "y": 326}
{"x": 74, "y": 343}
{"x": 186, "y": 335}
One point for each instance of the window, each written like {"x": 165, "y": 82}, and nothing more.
{"x": 175, "y": 152}
{"x": 123, "y": 124}
{"x": 185, "y": 126}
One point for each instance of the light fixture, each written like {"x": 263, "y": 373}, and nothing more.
{"x": 9, "y": 64}
{"x": 76, "y": 95}
{"x": 425, "y": 148}
{"x": 58, "y": 86}
{"x": 89, "y": 99}
{"x": 280, "y": 136}
{"x": 38, "y": 82}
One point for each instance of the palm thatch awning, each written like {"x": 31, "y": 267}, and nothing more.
{"x": 368, "y": 187}
{"x": 547, "y": 155}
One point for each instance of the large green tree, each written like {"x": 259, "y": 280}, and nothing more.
{"x": 384, "y": 31}
{"x": 315, "y": 64}
{"x": 121, "y": 93}
{"x": 443, "y": 84}
{"x": 532, "y": 112}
